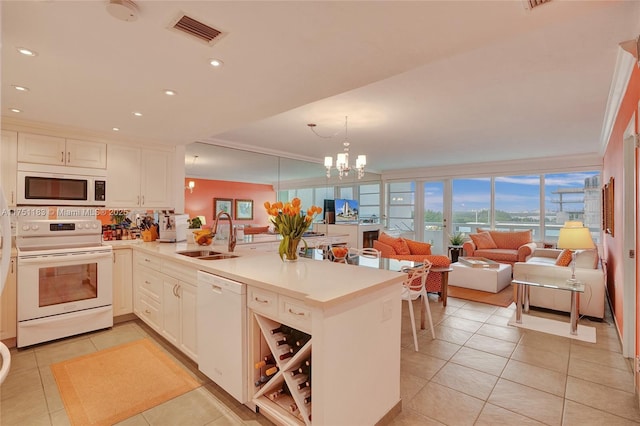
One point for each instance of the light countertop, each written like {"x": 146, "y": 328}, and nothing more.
{"x": 318, "y": 283}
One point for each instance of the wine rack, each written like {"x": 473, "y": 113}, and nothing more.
{"x": 285, "y": 395}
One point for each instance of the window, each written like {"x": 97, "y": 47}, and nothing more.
{"x": 517, "y": 204}
{"x": 369, "y": 200}
{"x": 471, "y": 199}
{"x": 400, "y": 202}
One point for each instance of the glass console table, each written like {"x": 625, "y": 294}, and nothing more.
{"x": 548, "y": 325}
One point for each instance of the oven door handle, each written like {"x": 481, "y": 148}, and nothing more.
{"x": 63, "y": 258}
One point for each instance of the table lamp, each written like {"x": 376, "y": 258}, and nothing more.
{"x": 574, "y": 236}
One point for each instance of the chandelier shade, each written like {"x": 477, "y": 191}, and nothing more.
{"x": 342, "y": 158}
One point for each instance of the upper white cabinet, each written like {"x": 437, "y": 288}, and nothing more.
{"x": 42, "y": 149}
{"x": 8, "y": 165}
{"x": 138, "y": 177}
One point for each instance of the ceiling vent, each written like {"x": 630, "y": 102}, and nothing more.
{"x": 194, "y": 28}
{"x": 530, "y": 4}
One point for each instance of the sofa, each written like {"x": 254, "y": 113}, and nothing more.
{"x": 405, "y": 249}
{"x": 552, "y": 264}
{"x": 500, "y": 246}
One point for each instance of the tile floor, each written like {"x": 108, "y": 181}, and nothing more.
{"x": 478, "y": 371}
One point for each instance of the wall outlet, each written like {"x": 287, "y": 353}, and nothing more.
{"x": 387, "y": 310}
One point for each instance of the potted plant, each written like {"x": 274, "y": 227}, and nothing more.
{"x": 457, "y": 239}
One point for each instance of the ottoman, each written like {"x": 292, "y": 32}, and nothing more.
{"x": 486, "y": 279}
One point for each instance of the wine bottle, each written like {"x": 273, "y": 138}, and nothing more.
{"x": 265, "y": 361}
{"x": 307, "y": 399}
{"x": 285, "y": 355}
{"x": 303, "y": 385}
{"x": 295, "y": 372}
{"x": 304, "y": 369}
{"x": 293, "y": 407}
{"x": 302, "y": 341}
{"x": 271, "y": 371}
{"x": 281, "y": 329}
{"x": 282, "y": 341}
{"x": 284, "y": 390}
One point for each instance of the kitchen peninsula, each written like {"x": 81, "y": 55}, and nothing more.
{"x": 350, "y": 314}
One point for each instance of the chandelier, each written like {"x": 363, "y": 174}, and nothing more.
{"x": 342, "y": 158}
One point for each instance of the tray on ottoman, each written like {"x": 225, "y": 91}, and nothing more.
{"x": 478, "y": 262}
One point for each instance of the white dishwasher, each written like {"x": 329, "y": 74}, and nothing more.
{"x": 222, "y": 333}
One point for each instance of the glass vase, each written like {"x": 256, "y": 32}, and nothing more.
{"x": 290, "y": 249}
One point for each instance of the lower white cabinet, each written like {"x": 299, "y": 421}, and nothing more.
{"x": 122, "y": 282}
{"x": 167, "y": 304}
{"x": 8, "y": 307}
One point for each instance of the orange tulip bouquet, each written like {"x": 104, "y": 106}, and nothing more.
{"x": 289, "y": 223}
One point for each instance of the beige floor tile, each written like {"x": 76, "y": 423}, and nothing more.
{"x": 479, "y": 360}
{"x": 418, "y": 364}
{"x": 194, "y": 407}
{"x": 60, "y": 418}
{"x": 461, "y": 323}
{"x": 466, "y": 380}
{"x": 452, "y": 335}
{"x": 120, "y": 334}
{"x": 499, "y": 320}
{"x": 605, "y": 398}
{"x": 410, "y": 385}
{"x": 410, "y": 417}
{"x": 549, "y": 342}
{"x": 510, "y": 334}
{"x": 529, "y": 402}
{"x": 21, "y": 381}
{"x": 24, "y": 408}
{"x": 613, "y": 377}
{"x": 23, "y": 360}
{"x": 599, "y": 356}
{"x": 471, "y": 314}
{"x": 228, "y": 418}
{"x": 481, "y": 307}
{"x": 249, "y": 417}
{"x": 54, "y": 399}
{"x": 491, "y": 345}
{"x": 541, "y": 357}
{"x": 493, "y": 415}
{"x": 57, "y": 352}
{"x": 446, "y": 405}
{"x": 506, "y": 312}
{"x": 455, "y": 303}
{"x": 438, "y": 348}
{"x": 536, "y": 377}
{"x": 578, "y": 414}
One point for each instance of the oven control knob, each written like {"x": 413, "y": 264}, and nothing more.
{"x": 94, "y": 226}
{"x": 25, "y": 227}
{"x": 35, "y": 227}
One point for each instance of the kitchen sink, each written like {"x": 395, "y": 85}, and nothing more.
{"x": 206, "y": 254}
{"x": 218, "y": 256}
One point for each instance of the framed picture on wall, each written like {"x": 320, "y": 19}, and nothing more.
{"x": 222, "y": 205}
{"x": 244, "y": 209}
{"x": 608, "y": 207}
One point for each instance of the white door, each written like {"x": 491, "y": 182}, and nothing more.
{"x": 122, "y": 282}
{"x": 41, "y": 149}
{"x": 155, "y": 179}
{"x": 9, "y": 159}
{"x": 171, "y": 309}
{"x": 188, "y": 319}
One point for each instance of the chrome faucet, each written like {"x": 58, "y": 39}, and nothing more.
{"x": 232, "y": 231}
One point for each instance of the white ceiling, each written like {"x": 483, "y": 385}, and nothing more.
{"x": 423, "y": 83}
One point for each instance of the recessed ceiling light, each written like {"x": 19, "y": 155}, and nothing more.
{"x": 26, "y": 52}
{"x": 21, "y": 88}
{"x": 137, "y": 114}
{"x": 170, "y": 92}
{"x": 115, "y": 129}
{"x": 216, "y": 63}
{"x": 15, "y": 110}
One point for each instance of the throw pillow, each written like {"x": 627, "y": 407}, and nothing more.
{"x": 417, "y": 247}
{"x": 564, "y": 258}
{"x": 483, "y": 240}
{"x": 398, "y": 244}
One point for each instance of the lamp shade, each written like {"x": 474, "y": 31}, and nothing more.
{"x": 574, "y": 236}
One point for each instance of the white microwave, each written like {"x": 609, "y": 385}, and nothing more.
{"x": 46, "y": 185}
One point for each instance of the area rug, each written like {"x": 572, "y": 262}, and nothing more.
{"x": 111, "y": 385}
{"x": 503, "y": 298}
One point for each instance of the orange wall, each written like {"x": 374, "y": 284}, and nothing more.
{"x": 200, "y": 202}
{"x": 613, "y": 160}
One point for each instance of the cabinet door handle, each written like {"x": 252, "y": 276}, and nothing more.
{"x": 257, "y": 299}
{"x": 12, "y": 263}
{"x": 12, "y": 192}
{"x": 62, "y": 157}
{"x": 146, "y": 311}
{"x": 114, "y": 257}
{"x": 138, "y": 202}
{"x": 68, "y": 156}
{"x": 147, "y": 282}
{"x": 291, "y": 311}
{"x": 143, "y": 200}
{"x": 147, "y": 260}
